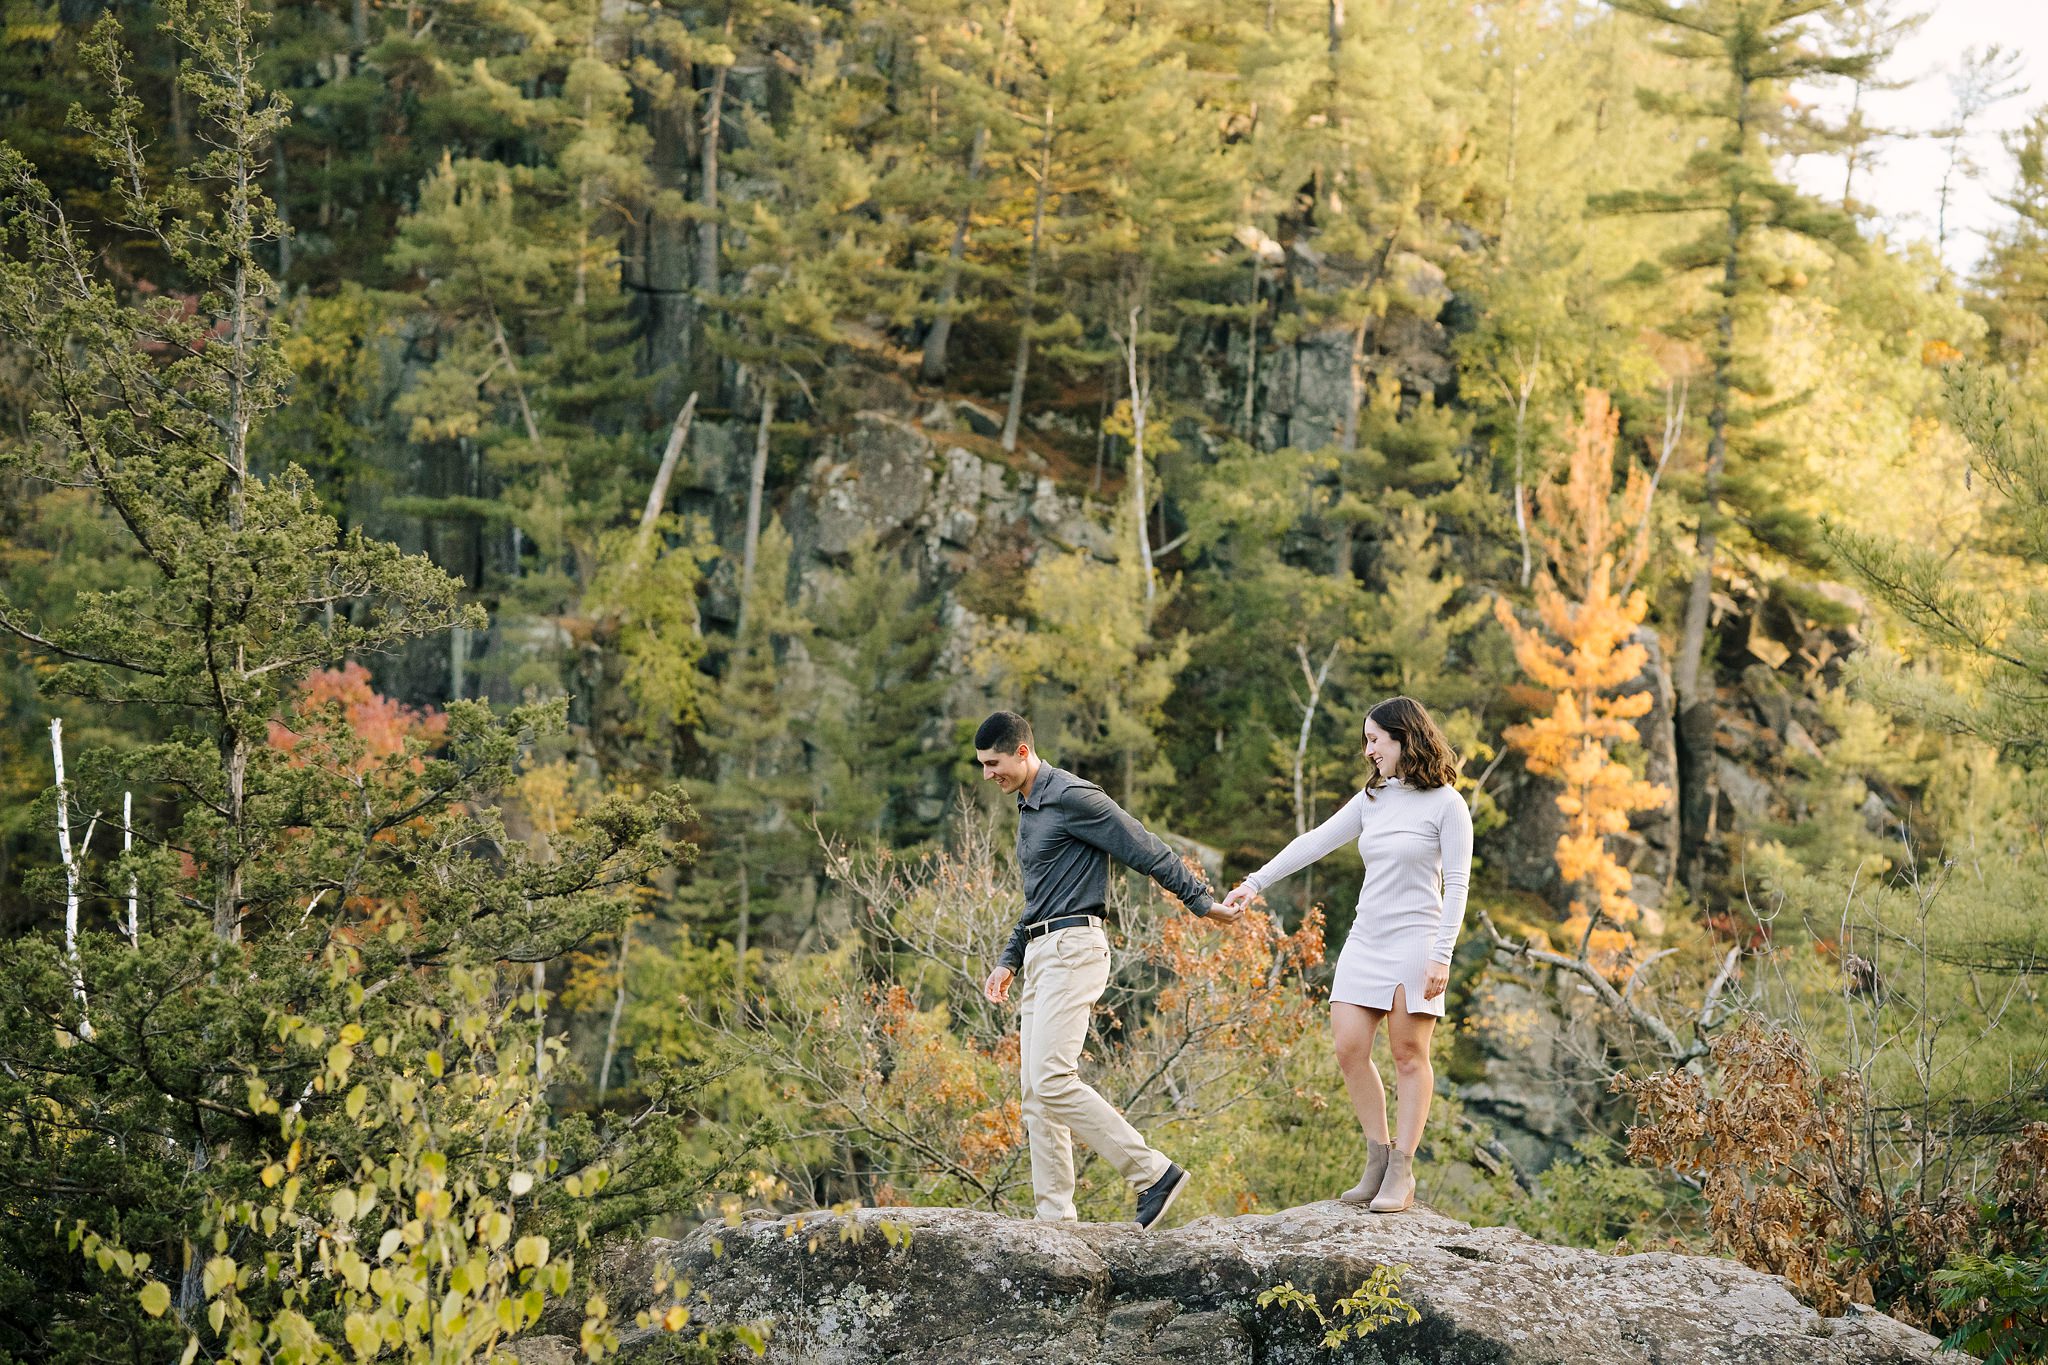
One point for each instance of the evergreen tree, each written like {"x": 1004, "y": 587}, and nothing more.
{"x": 802, "y": 257}
{"x": 880, "y": 645}
{"x": 970, "y": 164}
{"x": 1752, "y": 50}
{"x": 761, "y": 855}
{"x": 1998, "y": 640}
{"x": 533, "y": 389}
{"x": 1985, "y": 78}
{"x": 2012, "y": 278}
{"x": 1876, "y": 27}
{"x": 1081, "y": 660}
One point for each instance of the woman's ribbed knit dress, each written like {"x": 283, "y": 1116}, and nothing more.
{"x": 1417, "y": 847}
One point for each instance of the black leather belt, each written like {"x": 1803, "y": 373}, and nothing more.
{"x": 1046, "y": 926}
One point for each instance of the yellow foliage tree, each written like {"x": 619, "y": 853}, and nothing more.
{"x": 1589, "y": 610}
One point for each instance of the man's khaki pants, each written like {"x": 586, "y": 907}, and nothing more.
{"x": 1064, "y": 975}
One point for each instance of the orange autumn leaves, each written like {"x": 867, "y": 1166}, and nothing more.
{"x": 1583, "y": 649}
{"x": 1234, "y": 1003}
{"x": 337, "y": 721}
{"x": 373, "y": 728}
{"x": 1241, "y": 989}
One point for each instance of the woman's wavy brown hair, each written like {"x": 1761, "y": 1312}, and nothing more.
{"x": 1427, "y": 759}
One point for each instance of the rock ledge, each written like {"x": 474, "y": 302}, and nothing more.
{"x": 971, "y": 1288}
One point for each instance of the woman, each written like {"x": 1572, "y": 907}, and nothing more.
{"x": 1415, "y": 835}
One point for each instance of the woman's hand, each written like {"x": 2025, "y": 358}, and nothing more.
{"x": 1240, "y": 896}
{"x": 1436, "y": 980}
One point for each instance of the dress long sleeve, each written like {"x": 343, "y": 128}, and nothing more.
{"x": 1340, "y": 829}
{"x": 1454, "y": 837}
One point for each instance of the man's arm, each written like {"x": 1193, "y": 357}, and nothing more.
{"x": 1013, "y": 951}
{"x": 1101, "y": 823}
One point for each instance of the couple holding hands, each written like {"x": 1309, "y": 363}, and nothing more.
{"x": 1414, "y": 834}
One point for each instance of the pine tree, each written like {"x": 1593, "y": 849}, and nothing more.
{"x": 1376, "y": 145}
{"x": 1985, "y": 78}
{"x": 1876, "y": 27}
{"x": 2012, "y": 278}
{"x": 760, "y": 854}
{"x": 880, "y": 645}
{"x": 973, "y": 158}
{"x": 1752, "y": 50}
{"x": 1996, "y": 637}
{"x": 803, "y": 256}
{"x": 1587, "y": 601}
{"x": 1081, "y": 660}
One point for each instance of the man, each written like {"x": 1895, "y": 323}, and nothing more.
{"x": 1067, "y": 831}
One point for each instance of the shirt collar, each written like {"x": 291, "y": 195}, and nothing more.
{"x": 1040, "y": 788}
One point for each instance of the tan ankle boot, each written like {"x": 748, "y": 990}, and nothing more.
{"x": 1397, "y": 1188}
{"x": 1375, "y": 1167}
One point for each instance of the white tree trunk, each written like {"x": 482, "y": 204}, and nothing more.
{"x": 71, "y": 876}
{"x": 128, "y": 843}
{"x": 1140, "y": 393}
{"x": 756, "y": 480}
{"x": 678, "y": 436}
{"x": 611, "y": 1033}
{"x": 1315, "y": 678}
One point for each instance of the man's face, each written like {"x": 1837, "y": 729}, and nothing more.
{"x": 1009, "y": 771}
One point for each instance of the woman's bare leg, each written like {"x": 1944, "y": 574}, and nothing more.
{"x": 1408, "y": 1038}
{"x": 1352, "y": 1028}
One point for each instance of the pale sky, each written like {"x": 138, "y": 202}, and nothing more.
{"x": 1904, "y": 186}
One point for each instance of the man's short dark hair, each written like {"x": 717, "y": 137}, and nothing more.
{"x": 1004, "y": 731}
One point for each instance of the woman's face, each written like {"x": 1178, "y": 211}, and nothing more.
{"x": 1383, "y": 749}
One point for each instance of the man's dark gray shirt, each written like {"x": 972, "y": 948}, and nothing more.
{"x": 1067, "y": 831}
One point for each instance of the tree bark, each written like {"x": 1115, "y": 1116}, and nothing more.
{"x": 707, "y": 226}
{"x": 1140, "y": 394}
{"x": 72, "y": 874}
{"x": 1315, "y": 677}
{"x": 739, "y": 953}
{"x": 127, "y": 845}
{"x": 1251, "y": 349}
{"x": 1525, "y": 386}
{"x": 932, "y": 366}
{"x": 611, "y": 1032}
{"x": 1015, "y": 414}
{"x": 1693, "y": 675}
{"x": 678, "y": 437}
{"x": 757, "y": 479}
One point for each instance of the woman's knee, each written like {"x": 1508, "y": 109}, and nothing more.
{"x": 1410, "y": 1047}
{"x": 1411, "y": 1061}
{"x": 1355, "y": 1054}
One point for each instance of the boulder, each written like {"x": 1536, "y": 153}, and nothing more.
{"x": 955, "y": 1287}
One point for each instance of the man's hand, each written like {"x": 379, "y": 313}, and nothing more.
{"x": 1240, "y": 896}
{"x": 997, "y": 987}
{"x": 1436, "y": 980}
{"x": 1222, "y": 912}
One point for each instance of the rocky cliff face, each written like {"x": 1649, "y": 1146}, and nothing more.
{"x": 974, "y": 1289}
